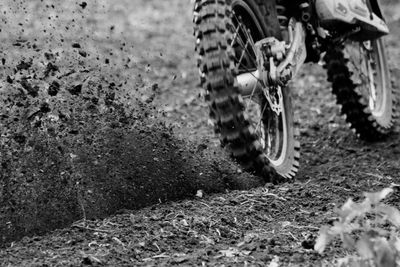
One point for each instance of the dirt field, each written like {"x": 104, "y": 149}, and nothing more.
{"x": 108, "y": 91}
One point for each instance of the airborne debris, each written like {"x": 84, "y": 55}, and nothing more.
{"x": 76, "y": 45}
{"x": 9, "y": 79}
{"x": 50, "y": 69}
{"x": 83, "y": 5}
{"x": 200, "y": 194}
{"x": 23, "y": 65}
{"x": 75, "y": 89}
{"x": 32, "y": 90}
{"x": 54, "y": 88}
{"x": 82, "y": 53}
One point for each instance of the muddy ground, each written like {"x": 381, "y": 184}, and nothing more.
{"x": 101, "y": 101}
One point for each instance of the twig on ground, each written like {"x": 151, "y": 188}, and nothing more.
{"x": 302, "y": 227}
{"x": 290, "y": 234}
{"x": 205, "y": 204}
{"x": 93, "y": 229}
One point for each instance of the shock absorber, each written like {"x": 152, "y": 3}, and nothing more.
{"x": 283, "y": 18}
{"x": 306, "y": 11}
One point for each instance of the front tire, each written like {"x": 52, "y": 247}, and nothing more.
{"x": 360, "y": 79}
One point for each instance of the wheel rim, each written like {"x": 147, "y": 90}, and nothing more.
{"x": 270, "y": 127}
{"x": 277, "y": 137}
{"x": 368, "y": 65}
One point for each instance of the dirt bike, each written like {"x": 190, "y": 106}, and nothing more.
{"x": 249, "y": 51}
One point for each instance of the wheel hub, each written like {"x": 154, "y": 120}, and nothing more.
{"x": 270, "y": 52}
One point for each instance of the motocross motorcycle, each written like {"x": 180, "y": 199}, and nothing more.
{"x": 249, "y": 51}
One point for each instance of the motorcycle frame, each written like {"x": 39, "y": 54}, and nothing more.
{"x": 248, "y": 83}
{"x": 271, "y": 18}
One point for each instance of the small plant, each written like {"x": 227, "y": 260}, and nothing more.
{"x": 369, "y": 229}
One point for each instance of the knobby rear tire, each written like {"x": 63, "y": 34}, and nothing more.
{"x": 214, "y": 32}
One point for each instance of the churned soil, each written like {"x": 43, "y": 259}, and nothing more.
{"x": 101, "y": 114}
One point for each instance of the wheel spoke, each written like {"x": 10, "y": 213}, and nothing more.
{"x": 246, "y": 32}
{"x": 235, "y": 36}
{"x": 248, "y": 51}
{"x": 250, "y": 38}
{"x": 261, "y": 116}
{"x": 243, "y": 53}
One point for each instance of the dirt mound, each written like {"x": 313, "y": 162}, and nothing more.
{"x": 80, "y": 136}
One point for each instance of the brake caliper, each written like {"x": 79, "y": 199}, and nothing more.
{"x": 270, "y": 52}
{"x": 278, "y": 63}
